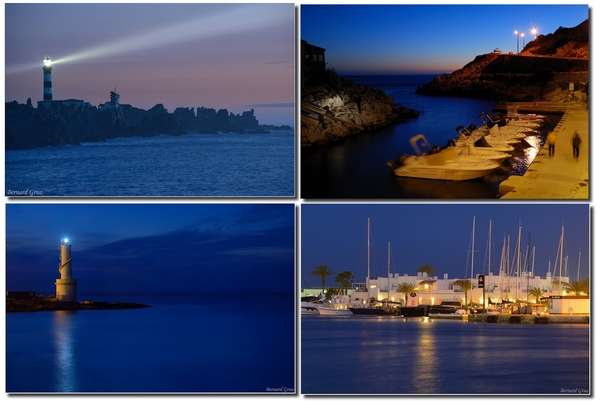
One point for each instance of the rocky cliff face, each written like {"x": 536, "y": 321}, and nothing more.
{"x": 554, "y": 67}
{"x": 350, "y": 109}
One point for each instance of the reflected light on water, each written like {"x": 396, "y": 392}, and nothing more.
{"x": 65, "y": 366}
{"x": 424, "y": 372}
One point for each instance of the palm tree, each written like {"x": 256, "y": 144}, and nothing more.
{"x": 579, "y": 287}
{"x": 465, "y": 285}
{"x": 405, "y": 288}
{"x": 430, "y": 270}
{"x": 537, "y": 293}
{"x": 344, "y": 278}
{"x": 323, "y": 272}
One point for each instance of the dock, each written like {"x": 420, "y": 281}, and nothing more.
{"x": 562, "y": 176}
{"x": 517, "y": 319}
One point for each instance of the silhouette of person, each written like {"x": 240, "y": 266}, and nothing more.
{"x": 576, "y": 142}
{"x": 551, "y": 139}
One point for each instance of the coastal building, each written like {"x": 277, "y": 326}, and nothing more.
{"x": 66, "y": 285}
{"x": 569, "y": 304}
{"x": 433, "y": 290}
{"x": 313, "y": 58}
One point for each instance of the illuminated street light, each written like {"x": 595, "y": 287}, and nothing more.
{"x": 517, "y": 35}
{"x": 534, "y": 33}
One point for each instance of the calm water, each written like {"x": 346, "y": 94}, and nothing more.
{"x": 356, "y": 167}
{"x": 373, "y": 355}
{"x": 209, "y": 343}
{"x": 226, "y": 164}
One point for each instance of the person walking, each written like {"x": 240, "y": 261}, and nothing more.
{"x": 551, "y": 139}
{"x": 576, "y": 142}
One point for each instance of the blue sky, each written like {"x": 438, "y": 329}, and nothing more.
{"x": 424, "y": 39}
{"x": 152, "y": 247}
{"x": 222, "y": 56}
{"x": 439, "y": 235}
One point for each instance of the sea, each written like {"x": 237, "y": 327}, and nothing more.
{"x": 184, "y": 343}
{"x": 356, "y": 167}
{"x": 423, "y": 356}
{"x": 206, "y": 165}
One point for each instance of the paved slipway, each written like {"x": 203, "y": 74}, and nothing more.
{"x": 562, "y": 176}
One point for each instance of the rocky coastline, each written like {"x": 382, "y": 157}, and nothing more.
{"x": 61, "y": 124}
{"x": 348, "y": 109}
{"x": 40, "y": 304}
{"x": 553, "y": 67}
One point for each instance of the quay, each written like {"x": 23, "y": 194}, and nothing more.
{"x": 516, "y": 319}
{"x": 559, "y": 177}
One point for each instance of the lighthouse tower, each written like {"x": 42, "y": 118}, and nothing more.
{"x": 47, "y": 78}
{"x": 66, "y": 285}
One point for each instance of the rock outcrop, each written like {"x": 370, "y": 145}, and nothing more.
{"x": 60, "y": 124}
{"x": 553, "y": 67}
{"x": 349, "y": 109}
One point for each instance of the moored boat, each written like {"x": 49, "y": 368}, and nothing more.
{"x": 444, "y": 164}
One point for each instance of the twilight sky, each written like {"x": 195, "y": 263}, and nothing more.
{"x": 439, "y": 235}
{"x": 232, "y": 56}
{"x": 424, "y": 39}
{"x": 152, "y": 247}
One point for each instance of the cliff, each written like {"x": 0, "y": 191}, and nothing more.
{"x": 60, "y": 124}
{"x": 346, "y": 108}
{"x": 553, "y": 67}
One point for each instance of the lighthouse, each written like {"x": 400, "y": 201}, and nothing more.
{"x": 47, "y": 78}
{"x": 66, "y": 285}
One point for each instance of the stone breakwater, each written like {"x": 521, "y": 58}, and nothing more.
{"x": 349, "y": 109}
{"x": 40, "y": 305}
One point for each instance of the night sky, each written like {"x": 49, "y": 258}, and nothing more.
{"x": 152, "y": 247}
{"x": 425, "y": 39}
{"x": 439, "y": 235}
{"x": 231, "y": 56}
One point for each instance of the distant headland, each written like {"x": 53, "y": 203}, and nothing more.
{"x": 71, "y": 122}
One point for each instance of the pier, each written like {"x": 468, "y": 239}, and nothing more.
{"x": 562, "y": 176}
{"x": 517, "y": 319}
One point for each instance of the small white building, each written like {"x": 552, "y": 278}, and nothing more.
{"x": 569, "y": 304}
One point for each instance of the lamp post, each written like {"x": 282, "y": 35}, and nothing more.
{"x": 534, "y": 33}
{"x": 523, "y": 36}
{"x": 517, "y": 35}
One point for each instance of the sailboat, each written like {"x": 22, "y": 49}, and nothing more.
{"x": 386, "y": 310}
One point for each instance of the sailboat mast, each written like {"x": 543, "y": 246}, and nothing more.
{"x": 490, "y": 249}
{"x": 388, "y": 285}
{"x": 472, "y": 248}
{"x": 562, "y": 234}
{"x": 368, "y": 254}
{"x": 518, "y": 281}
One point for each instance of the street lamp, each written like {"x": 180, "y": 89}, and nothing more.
{"x": 534, "y": 33}
{"x": 523, "y": 36}
{"x": 517, "y": 35}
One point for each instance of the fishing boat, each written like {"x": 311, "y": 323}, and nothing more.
{"x": 444, "y": 164}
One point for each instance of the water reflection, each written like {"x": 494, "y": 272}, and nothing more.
{"x": 64, "y": 351}
{"x": 424, "y": 373}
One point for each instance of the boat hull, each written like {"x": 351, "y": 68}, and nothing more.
{"x": 334, "y": 311}
{"x": 374, "y": 312}
{"x": 455, "y": 172}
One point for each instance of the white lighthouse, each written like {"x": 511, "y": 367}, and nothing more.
{"x": 66, "y": 285}
{"x": 47, "y": 78}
